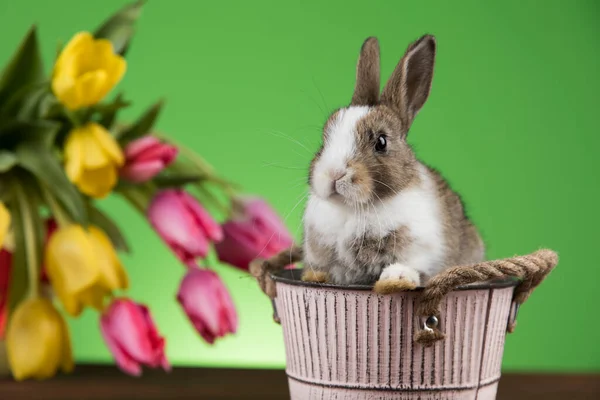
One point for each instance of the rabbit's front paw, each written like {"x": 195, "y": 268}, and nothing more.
{"x": 261, "y": 270}
{"x": 396, "y": 278}
{"x": 311, "y": 275}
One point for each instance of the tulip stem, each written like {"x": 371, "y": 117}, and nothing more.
{"x": 204, "y": 192}
{"x": 211, "y": 258}
{"x": 59, "y": 214}
{"x": 72, "y": 117}
{"x": 214, "y": 200}
{"x": 195, "y": 158}
{"x": 200, "y": 163}
{"x": 136, "y": 198}
{"x": 30, "y": 241}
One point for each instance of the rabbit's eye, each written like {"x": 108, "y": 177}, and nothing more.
{"x": 381, "y": 144}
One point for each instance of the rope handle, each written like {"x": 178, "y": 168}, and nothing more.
{"x": 532, "y": 269}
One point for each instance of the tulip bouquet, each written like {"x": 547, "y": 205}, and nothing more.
{"x": 62, "y": 148}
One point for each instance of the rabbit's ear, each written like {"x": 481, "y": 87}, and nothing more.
{"x": 408, "y": 88}
{"x": 366, "y": 91}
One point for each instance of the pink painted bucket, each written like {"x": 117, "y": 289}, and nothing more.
{"x": 351, "y": 343}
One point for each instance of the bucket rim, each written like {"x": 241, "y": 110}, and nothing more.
{"x": 293, "y": 277}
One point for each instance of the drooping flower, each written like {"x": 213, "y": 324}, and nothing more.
{"x": 83, "y": 267}
{"x": 132, "y": 337}
{"x": 145, "y": 158}
{"x": 256, "y": 232}
{"x": 37, "y": 341}
{"x": 86, "y": 71}
{"x": 183, "y": 224}
{"x": 207, "y": 304}
{"x": 93, "y": 159}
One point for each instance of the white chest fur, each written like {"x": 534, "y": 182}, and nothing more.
{"x": 416, "y": 208}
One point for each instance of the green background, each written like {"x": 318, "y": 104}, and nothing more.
{"x": 512, "y": 121}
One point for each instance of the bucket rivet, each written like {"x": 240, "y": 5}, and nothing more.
{"x": 432, "y": 322}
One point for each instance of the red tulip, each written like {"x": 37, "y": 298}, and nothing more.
{"x": 183, "y": 224}
{"x": 132, "y": 337}
{"x": 5, "y": 266}
{"x": 207, "y": 304}
{"x": 257, "y": 232}
{"x": 145, "y": 158}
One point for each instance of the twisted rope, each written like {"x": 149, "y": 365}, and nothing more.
{"x": 531, "y": 269}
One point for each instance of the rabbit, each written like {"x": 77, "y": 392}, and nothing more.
{"x": 375, "y": 213}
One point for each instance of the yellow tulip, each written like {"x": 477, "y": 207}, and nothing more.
{"x": 83, "y": 267}
{"x": 4, "y": 223}
{"x": 86, "y": 70}
{"x": 93, "y": 158}
{"x": 37, "y": 341}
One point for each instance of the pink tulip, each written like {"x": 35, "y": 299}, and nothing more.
{"x": 5, "y": 267}
{"x": 257, "y": 233}
{"x": 132, "y": 338}
{"x": 183, "y": 224}
{"x": 207, "y": 304}
{"x": 145, "y": 158}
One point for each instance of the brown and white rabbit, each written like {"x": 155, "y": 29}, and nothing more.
{"x": 375, "y": 212}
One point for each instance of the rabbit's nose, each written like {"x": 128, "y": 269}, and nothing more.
{"x": 337, "y": 177}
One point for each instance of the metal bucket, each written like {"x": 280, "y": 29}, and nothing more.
{"x": 351, "y": 343}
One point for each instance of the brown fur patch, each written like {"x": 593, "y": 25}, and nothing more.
{"x": 325, "y": 254}
{"x": 392, "y": 170}
{"x": 369, "y": 251}
{"x": 463, "y": 243}
{"x": 389, "y": 286}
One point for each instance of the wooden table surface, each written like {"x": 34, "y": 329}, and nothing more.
{"x": 106, "y": 382}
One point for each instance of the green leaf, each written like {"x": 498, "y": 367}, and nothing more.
{"x": 25, "y": 67}
{"x": 31, "y": 102}
{"x": 13, "y": 133}
{"x": 176, "y": 180}
{"x": 28, "y": 231}
{"x": 122, "y": 184}
{"x": 120, "y": 27}
{"x": 142, "y": 126}
{"x": 7, "y": 160}
{"x": 108, "y": 112}
{"x": 4, "y": 189}
{"x": 105, "y": 223}
{"x": 18, "y": 275}
{"x": 43, "y": 164}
